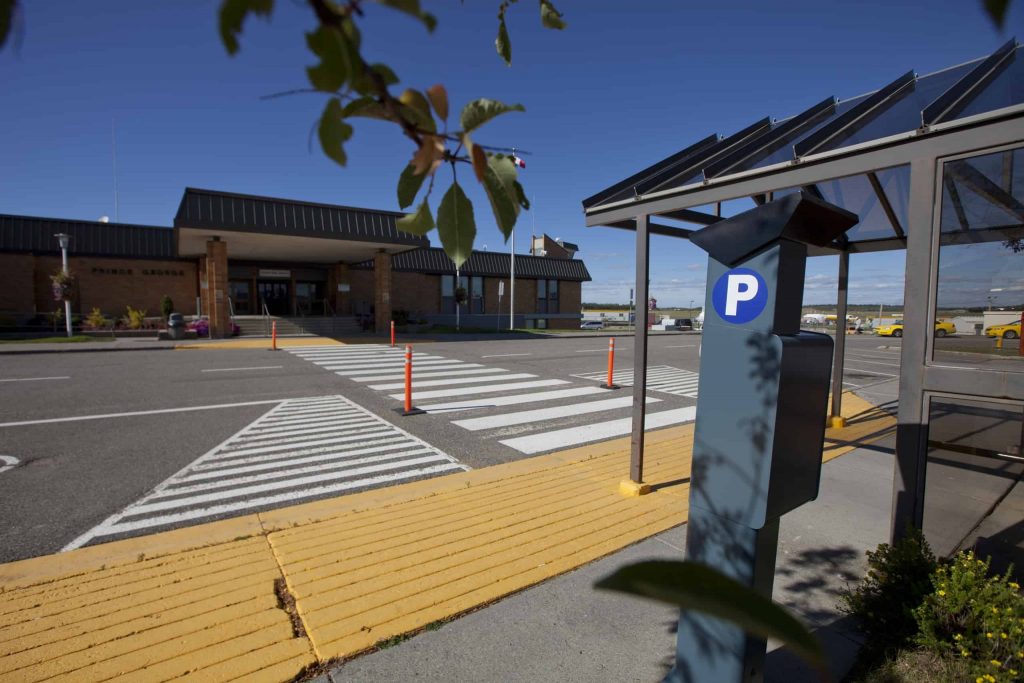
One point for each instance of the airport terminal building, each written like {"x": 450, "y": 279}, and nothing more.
{"x": 232, "y": 255}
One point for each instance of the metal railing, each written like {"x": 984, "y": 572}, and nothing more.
{"x": 266, "y": 318}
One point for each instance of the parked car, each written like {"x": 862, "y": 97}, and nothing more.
{"x": 1011, "y": 331}
{"x": 942, "y": 328}
{"x": 592, "y": 325}
{"x": 684, "y": 323}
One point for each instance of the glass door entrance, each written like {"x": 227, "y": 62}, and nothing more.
{"x": 276, "y": 295}
{"x": 309, "y": 298}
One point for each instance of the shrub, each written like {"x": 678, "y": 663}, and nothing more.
{"x": 898, "y": 579}
{"x": 136, "y": 318}
{"x": 96, "y": 320}
{"x": 400, "y": 316}
{"x": 166, "y": 306}
{"x": 976, "y": 617}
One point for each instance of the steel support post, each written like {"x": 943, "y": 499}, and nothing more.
{"x": 840, "y": 352}
{"x": 643, "y": 247}
{"x": 912, "y": 422}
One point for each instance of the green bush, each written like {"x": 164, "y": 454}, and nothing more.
{"x": 898, "y": 579}
{"x": 136, "y": 318}
{"x": 96, "y": 320}
{"x": 976, "y": 617}
{"x": 166, "y": 306}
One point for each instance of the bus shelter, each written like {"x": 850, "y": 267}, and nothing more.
{"x": 931, "y": 164}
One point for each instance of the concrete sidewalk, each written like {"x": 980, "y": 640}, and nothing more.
{"x": 268, "y": 596}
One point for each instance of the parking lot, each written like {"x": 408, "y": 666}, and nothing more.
{"x": 112, "y": 445}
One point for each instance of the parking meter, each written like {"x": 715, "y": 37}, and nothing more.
{"x": 760, "y": 423}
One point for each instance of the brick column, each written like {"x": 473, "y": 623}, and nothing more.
{"x": 216, "y": 299}
{"x": 382, "y": 291}
{"x": 342, "y": 301}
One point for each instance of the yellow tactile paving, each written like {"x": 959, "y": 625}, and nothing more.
{"x": 199, "y": 602}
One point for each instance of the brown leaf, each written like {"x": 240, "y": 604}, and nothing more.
{"x": 479, "y": 162}
{"x": 439, "y": 99}
{"x": 428, "y": 156}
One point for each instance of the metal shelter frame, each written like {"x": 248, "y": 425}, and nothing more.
{"x": 929, "y": 126}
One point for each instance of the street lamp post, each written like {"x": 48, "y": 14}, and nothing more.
{"x": 65, "y": 240}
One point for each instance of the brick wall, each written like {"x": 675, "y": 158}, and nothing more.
{"x": 17, "y": 287}
{"x": 417, "y": 293}
{"x": 114, "y": 284}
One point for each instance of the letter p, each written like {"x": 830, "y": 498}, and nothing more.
{"x": 740, "y": 287}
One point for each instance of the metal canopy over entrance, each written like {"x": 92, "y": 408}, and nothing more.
{"x": 930, "y": 164}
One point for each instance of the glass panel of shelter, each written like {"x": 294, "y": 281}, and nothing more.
{"x": 980, "y": 282}
{"x": 974, "y": 459}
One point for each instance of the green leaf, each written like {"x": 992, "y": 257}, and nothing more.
{"x": 996, "y": 10}
{"x": 549, "y": 16}
{"x": 693, "y": 586}
{"x": 409, "y": 185}
{"x": 334, "y": 132}
{"x": 412, "y": 8}
{"x": 506, "y": 171}
{"x": 521, "y": 196}
{"x": 455, "y": 224}
{"x": 332, "y": 72}
{"x": 503, "y": 44}
{"x": 478, "y": 112}
{"x": 503, "y": 207}
{"x": 419, "y": 223}
{"x": 387, "y": 75}
{"x": 232, "y": 16}
{"x": 366, "y": 107}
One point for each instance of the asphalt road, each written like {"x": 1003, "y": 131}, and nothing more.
{"x": 263, "y": 425}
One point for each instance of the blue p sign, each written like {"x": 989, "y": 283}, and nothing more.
{"x": 739, "y": 295}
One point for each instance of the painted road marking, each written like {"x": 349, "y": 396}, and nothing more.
{"x": 452, "y": 380}
{"x": 868, "y": 372}
{"x": 506, "y": 355}
{"x": 441, "y": 366}
{"x": 138, "y": 413}
{"x": 375, "y": 362}
{"x": 590, "y": 351}
{"x": 574, "y": 436}
{"x": 260, "y": 466}
{"x": 494, "y": 401}
{"x": 532, "y": 416}
{"x": 256, "y": 367}
{"x": 33, "y": 379}
{"x": 681, "y": 346}
{"x": 664, "y": 378}
{"x": 442, "y": 393}
{"x": 7, "y": 462}
{"x": 478, "y": 370}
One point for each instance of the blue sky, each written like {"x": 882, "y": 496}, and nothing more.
{"x": 625, "y": 85}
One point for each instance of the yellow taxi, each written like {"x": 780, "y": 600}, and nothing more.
{"x": 1011, "y": 331}
{"x": 942, "y": 328}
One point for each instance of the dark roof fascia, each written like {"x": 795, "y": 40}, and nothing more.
{"x": 34, "y": 234}
{"x": 372, "y": 225}
{"x": 434, "y": 261}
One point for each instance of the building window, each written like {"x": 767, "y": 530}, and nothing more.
{"x": 553, "y": 296}
{"x": 542, "y": 296}
{"x": 474, "y": 287}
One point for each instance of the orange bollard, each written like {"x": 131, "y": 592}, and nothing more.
{"x": 610, "y": 384}
{"x": 999, "y": 342}
{"x": 273, "y": 336}
{"x": 409, "y": 410}
{"x": 392, "y": 332}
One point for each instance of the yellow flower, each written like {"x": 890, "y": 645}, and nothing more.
{"x": 941, "y": 593}
{"x": 965, "y": 653}
{"x": 1003, "y": 636}
{"x": 994, "y": 662}
{"x": 988, "y": 635}
{"x": 1015, "y": 586}
{"x": 958, "y": 636}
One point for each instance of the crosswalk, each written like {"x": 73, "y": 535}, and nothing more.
{"x": 524, "y": 412}
{"x": 664, "y": 378}
{"x": 301, "y": 449}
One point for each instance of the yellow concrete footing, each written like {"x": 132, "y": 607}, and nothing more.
{"x": 836, "y": 422}
{"x": 628, "y": 487}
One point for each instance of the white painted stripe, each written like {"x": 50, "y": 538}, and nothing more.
{"x": 506, "y": 355}
{"x": 681, "y": 346}
{"x": 442, "y": 393}
{"x": 336, "y": 358}
{"x": 392, "y": 367}
{"x": 336, "y": 468}
{"x": 416, "y": 382}
{"x": 315, "y": 420}
{"x": 222, "y": 463}
{"x": 253, "y": 437}
{"x": 590, "y": 350}
{"x": 491, "y": 402}
{"x": 858, "y": 359}
{"x": 479, "y": 369}
{"x": 160, "y": 506}
{"x": 150, "y": 522}
{"x": 260, "y": 467}
{"x": 526, "y": 416}
{"x": 7, "y": 462}
{"x": 301, "y": 349}
{"x": 255, "y": 367}
{"x": 354, "y": 374}
{"x": 546, "y": 441}
{"x": 861, "y": 371}
{"x": 302, "y": 445}
{"x": 163, "y": 411}
{"x": 370, "y": 362}
{"x": 34, "y": 379}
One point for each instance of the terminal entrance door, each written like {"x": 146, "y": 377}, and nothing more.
{"x": 309, "y": 298}
{"x": 276, "y": 294}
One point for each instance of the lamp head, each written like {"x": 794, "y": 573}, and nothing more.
{"x": 64, "y": 239}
